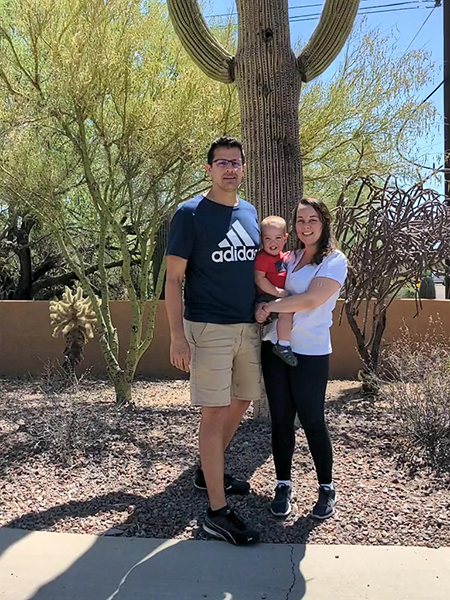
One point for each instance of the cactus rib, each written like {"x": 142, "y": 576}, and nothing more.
{"x": 199, "y": 42}
{"x": 326, "y": 42}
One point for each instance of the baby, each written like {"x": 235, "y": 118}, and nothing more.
{"x": 270, "y": 278}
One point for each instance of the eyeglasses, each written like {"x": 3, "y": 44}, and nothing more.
{"x": 224, "y": 164}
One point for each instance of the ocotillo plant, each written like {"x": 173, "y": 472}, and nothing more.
{"x": 268, "y": 76}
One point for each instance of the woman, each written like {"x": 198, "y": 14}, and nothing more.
{"x": 315, "y": 274}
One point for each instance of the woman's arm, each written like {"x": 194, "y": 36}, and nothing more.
{"x": 319, "y": 291}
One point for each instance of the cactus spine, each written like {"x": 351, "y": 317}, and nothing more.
{"x": 268, "y": 77}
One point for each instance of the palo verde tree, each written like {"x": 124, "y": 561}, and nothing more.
{"x": 268, "y": 77}
{"x": 368, "y": 118}
{"x": 351, "y": 124}
{"x": 108, "y": 119}
{"x": 391, "y": 237}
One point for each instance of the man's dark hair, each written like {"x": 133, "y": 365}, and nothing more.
{"x": 224, "y": 142}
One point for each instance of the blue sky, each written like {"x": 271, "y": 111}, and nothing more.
{"x": 404, "y": 23}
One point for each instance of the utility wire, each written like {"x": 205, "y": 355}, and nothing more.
{"x": 315, "y": 16}
{"x": 420, "y": 29}
{"x": 390, "y": 5}
{"x": 400, "y": 131}
{"x": 433, "y": 92}
{"x": 364, "y": 11}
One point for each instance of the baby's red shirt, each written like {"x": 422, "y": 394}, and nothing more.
{"x": 274, "y": 267}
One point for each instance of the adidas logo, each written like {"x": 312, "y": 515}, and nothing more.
{"x": 237, "y": 246}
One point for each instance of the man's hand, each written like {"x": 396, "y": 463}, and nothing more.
{"x": 261, "y": 312}
{"x": 180, "y": 354}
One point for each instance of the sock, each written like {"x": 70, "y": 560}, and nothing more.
{"x": 284, "y": 342}
{"x": 284, "y": 482}
{"x": 327, "y": 486}
{"x": 214, "y": 513}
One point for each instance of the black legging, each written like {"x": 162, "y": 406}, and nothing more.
{"x": 300, "y": 390}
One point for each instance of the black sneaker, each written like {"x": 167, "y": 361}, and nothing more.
{"x": 324, "y": 507}
{"x": 286, "y": 354}
{"x": 231, "y": 484}
{"x": 281, "y": 504}
{"x": 229, "y": 527}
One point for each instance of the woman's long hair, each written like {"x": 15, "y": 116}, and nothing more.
{"x": 326, "y": 243}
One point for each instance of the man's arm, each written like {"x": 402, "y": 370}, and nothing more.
{"x": 180, "y": 355}
{"x": 268, "y": 288}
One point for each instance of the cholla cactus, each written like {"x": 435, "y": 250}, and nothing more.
{"x": 268, "y": 77}
{"x": 74, "y": 317}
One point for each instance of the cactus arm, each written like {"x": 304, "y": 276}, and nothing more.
{"x": 333, "y": 29}
{"x": 199, "y": 42}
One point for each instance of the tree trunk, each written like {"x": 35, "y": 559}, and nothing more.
{"x": 22, "y": 249}
{"x": 122, "y": 388}
{"x": 74, "y": 350}
{"x": 23, "y": 290}
{"x": 380, "y": 326}
{"x": 268, "y": 83}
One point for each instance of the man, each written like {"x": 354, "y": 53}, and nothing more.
{"x": 213, "y": 241}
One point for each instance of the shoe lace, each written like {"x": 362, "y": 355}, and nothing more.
{"x": 228, "y": 479}
{"x": 281, "y": 491}
{"x": 324, "y": 496}
{"x": 285, "y": 350}
{"x": 237, "y": 521}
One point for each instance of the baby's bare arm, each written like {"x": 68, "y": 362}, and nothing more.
{"x": 268, "y": 288}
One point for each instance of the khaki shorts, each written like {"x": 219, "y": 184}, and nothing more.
{"x": 225, "y": 362}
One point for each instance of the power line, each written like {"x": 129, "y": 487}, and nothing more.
{"x": 420, "y": 29}
{"x": 315, "y": 16}
{"x": 405, "y": 123}
{"x": 433, "y": 92}
{"x": 364, "y": 11}
{"x": 390, "y": 5}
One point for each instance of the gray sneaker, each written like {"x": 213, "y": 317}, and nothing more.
{"x": 286, "y": 354}
{"x": 281, "y": 504}
{"x": 324, "y": 507}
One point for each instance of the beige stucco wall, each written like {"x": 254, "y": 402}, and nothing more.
{"x": 26, "y": 341}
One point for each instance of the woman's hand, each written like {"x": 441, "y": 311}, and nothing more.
{"x": 261, "y": 312}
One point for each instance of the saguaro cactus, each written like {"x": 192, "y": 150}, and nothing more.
{"x": 427, "y": 289}
{"x": 268, "y": 77}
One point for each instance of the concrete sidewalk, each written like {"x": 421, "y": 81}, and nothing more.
{"x": 53, "y": 566}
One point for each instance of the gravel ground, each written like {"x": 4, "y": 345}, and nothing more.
{"x": 74, "y": 463}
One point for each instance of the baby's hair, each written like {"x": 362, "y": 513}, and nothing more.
{"x": 274, "y": 221}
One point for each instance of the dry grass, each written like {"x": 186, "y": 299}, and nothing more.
{"x": 419, "y": 393}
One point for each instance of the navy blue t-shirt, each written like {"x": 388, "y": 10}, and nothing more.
{"x": 220, "y": 244}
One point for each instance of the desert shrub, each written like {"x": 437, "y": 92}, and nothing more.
{"x": 67, "y": 429}
{"x": 407, "y": 292}
{"x": 55, "y": 379}
{"x": 418, "y": 375}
